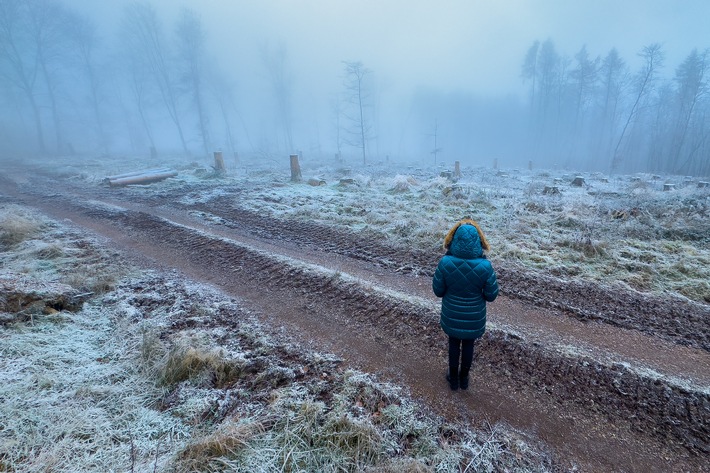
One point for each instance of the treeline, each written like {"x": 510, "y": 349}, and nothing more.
{"x": 65, "y": 88}
{"x": 60, "y": 82}
{"x": 597, "y": 110}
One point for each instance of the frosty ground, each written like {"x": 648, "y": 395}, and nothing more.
{"x": 200, "y": 396}
{"x": 158, "y": 373}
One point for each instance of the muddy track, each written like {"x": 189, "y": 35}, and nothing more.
{"x": 667, "y": 416}
{"x": 673, "y": 318}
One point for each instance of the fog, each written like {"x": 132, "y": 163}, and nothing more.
{"x": 595, "y": 85}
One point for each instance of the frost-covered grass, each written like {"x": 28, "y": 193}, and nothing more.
{"x": 300, "y": 433}
{"x": 43, "y": 249}
{"x": 624, "y": 228}
{"x": 74, "y": 398}
{"x": 160, "y": 374}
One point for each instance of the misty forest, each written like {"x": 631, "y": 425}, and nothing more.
{"x": 153, "y": 87}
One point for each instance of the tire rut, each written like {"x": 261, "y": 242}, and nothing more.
{"x": 672, "y": 318}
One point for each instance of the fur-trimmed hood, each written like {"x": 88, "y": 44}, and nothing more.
{"x": 466, "y": 243}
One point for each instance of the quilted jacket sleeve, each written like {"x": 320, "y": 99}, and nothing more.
{"x": 439, "y": 283}
{"x": 490, "y": 290}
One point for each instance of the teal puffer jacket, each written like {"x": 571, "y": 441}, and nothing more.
{"x": 465, "y": 280}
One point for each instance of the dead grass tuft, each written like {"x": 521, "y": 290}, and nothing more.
{"x": 14, "y": 229}
{"x": 227, "y": 440}
{"x": 50, "y": 252}
{"x": 187, "y": 362}
{"x": 94, "y": 279}
{"x": 355, "y": 438}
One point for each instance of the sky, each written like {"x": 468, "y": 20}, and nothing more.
{"x": 474, "y": 45}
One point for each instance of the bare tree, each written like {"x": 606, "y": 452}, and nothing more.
{"x": 47, "y": 26}
{"x": 18, "y": 66}
{"x": 191, "y": 54}
{"x": 613, "y": 77}
{"x": 658, "y": 133}
{"x": 143, "y": 38}
{"x": 276, "y": 63}
{"x": 336, "y": 107}
{"x": 692, "y": 86}
{"x": 85, "y": 40}
{"x": 548, "y": 73}
{"x": 223, "y": 96}
{"x": 357, "y": 96}
{"x": 585, "y": 77}
{"x": 529, "y": 71}
{"x": 137, "y": 84}
{"x": 653, "y": 60}
{"x": 435, "y": 135}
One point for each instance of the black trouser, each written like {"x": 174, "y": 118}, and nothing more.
{"x": 462, "y": 349}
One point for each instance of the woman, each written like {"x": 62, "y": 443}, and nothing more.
{"x": 465, "y": 280}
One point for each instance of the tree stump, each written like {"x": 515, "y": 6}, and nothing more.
{"x": 703, "y": 184}
{"x": 316, "y": 182}
{"x": 295, "y": 169}
{"x": 578, "y": 181}
{"x": 550, "y": 190}
{"x": 668, "y": 187}
{"x": 219, "y": 162}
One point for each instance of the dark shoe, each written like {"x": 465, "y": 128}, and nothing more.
{"x": 463, "y": 382}
{"x": 453, "y": 382}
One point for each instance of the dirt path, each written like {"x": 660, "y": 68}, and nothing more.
{"x": 566, "y": 380}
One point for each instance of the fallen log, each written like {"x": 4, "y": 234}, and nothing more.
{"x": 143, "y": 178}
{"x": 135, "y": 173}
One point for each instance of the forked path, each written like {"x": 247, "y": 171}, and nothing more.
{"x": 343, "y": 305}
